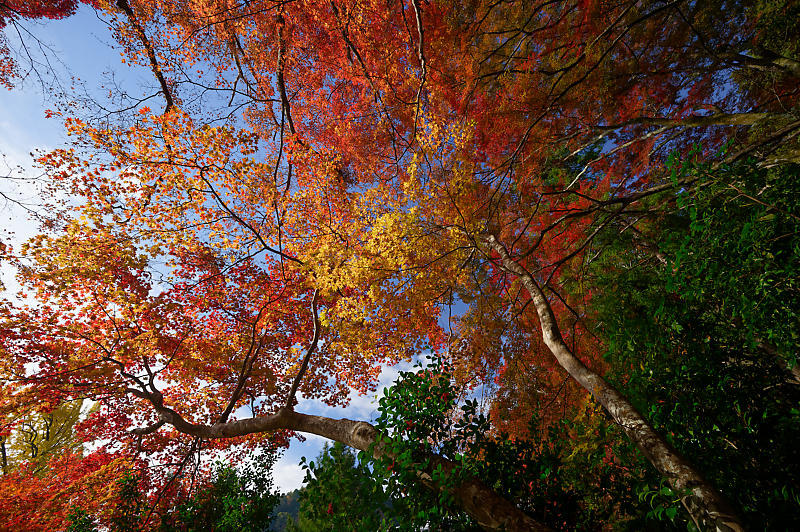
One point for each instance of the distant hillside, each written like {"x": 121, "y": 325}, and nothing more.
{"x": 286, "y": 509}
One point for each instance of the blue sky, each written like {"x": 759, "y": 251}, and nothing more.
{"x": 23, "y": 126}
{"x": 81, "y": 47}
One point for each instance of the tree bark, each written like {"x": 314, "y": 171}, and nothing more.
{"x": 490, "y": 510}
{"x": 717, "y": 119}
{"x": 3, "y": 455}
{"x": 705, "y": 504}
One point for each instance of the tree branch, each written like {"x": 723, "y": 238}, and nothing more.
{"x": 491, "y": 511}
{"x": 421, "y": 57}
{"x": 279, "y": 72}
{"x": 705, "y": 502}
{"x": 716, "y": 119}
{"x": 311, "y": 348}
{"x": 151, "y": 55}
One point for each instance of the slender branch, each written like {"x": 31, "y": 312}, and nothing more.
{"x": 421, "y": 57}
{"x": 767, "y": 205}
{"x": 787, "y": 131}
{"x": 279, "y": 72}
{"x": 311, "y": 348}
{"x": 151, "y": 54}
{"x": 247, "y": 368}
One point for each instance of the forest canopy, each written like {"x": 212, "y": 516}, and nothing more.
{"x": 587, "y": 210}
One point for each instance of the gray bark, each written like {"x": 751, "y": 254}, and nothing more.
{"x": 490, "y": 511}
{"x": 705, "y": 504}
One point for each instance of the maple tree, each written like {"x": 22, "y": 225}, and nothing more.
{"x": 229, "y": 499}
{"x": 44, "y": 468}
{"x": 38, "y": 500}
{"x": 324, "y": 178}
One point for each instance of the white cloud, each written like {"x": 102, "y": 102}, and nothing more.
{"x": 287, "y": 475}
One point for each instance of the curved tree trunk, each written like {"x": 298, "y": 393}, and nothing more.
{"x": 490, "y": 510}
{"x": 705, "y": 504}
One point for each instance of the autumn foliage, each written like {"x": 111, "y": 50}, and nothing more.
{"x": 43, "y": 501}
{"x": 313, "y": 193}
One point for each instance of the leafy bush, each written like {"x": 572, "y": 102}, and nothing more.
{"x": 705, "y": 340}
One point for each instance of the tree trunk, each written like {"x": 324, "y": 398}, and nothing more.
{"x": 792, "y": 370}
{"x": 705, "y": 504}
{"x": 490, "y": 510}
{"x": 3, "y": 455}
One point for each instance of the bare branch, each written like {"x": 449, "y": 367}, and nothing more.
{"x": 151, "y": 54}
{"x": 421, "y": 56}
{"x": 311, "y": 348}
